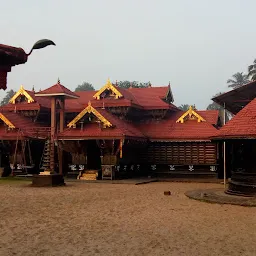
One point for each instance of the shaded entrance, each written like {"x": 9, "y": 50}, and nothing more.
{"x": 93, "y": 155}
{"x": 243, "y": 167}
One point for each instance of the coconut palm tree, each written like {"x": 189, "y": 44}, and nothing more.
{"x": 252, "y": 71}
{"x": 238, "y": 80}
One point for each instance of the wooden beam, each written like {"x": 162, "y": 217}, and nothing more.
{"x": 62, "y": 120}
{"x": 62, "y": 114}
{"x": 53, "y": 129}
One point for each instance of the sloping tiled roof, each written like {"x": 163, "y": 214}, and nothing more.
{"x": 166, "y": 129}
{"x": 146, "y": 98}
{"x": 151, "y": 97}
{"x": 211, "y": 116}
{"x": 169, "y": 129}
{"x": 21, "y": 123}
{"x": 36, "y": 105}
{"x": 57, "y": 90}
{"x": 120, "y": 129}
{"x": 236, "y": 99}
{"x": 242, "y": 125}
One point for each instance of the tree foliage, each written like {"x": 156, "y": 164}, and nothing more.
{"x": 127, "y": 84}
{"x": 185, "y": 107}
{"x": 238, "y": 79}
{"x": 85, "y": 86}
{"x": 215, "y": 106}
{"x": 8, "y": 96}
{"x": 252, "y": 71}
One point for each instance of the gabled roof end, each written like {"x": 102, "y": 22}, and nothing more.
{"x": 190, "y": 112}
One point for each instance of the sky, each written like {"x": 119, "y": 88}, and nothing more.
{"x": 195, "y": 45}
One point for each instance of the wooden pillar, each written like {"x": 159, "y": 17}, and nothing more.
{"x": 62, "y": 114}
{"x": 62, "y": 120}
{"x": 53, "y": 129}
{"x": 121, "y": 147}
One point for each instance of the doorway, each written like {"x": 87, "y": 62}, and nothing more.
{"x": 93, "y": 155}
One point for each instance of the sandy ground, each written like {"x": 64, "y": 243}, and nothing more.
{"x": 111, "y": 219}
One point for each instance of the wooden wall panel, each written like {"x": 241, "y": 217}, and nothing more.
{"x": 180, "y": 153}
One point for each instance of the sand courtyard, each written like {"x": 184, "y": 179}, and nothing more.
{"x": 120, "y": 219}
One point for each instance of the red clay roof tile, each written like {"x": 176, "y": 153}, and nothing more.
{"x": 168, "y": 129}
{"x": 211, "y": 116}
{"x": 242, "y": 125}
{"x": 23, "y": 124}
{"x": 121, "y": 128}
{"x": 57, "y": 90}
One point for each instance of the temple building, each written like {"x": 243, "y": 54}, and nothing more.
{"x": 111, "y": 133}
{"x": 239, "y": 136}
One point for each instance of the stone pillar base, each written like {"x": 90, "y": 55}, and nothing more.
{"x": 242, "y": 184}
{"x": 48, "y": 180}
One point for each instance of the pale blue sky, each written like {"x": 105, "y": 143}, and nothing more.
{"x": 195, "y": 44}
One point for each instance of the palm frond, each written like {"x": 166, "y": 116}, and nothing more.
{"x": 252, "y": 72}
{"x": 250, "y": 68}
{"x": 229, "y": 81}
{"x": 253, "y": 77}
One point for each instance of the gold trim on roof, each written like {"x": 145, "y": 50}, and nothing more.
{"x": 190, "y": 113}
{"x": 21, "y": 91}
{"x": 89, "y": 109}
{"x": 108, "y": 86}
{"x": 6, "y": 121}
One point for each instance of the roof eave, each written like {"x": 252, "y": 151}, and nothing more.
{"x": 56, "y": 94}
{"x": 180, "y": 140}
{"x": 234, "y": 137}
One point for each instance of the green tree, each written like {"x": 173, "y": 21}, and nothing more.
{"x": 252, "y": 71}
{"x": 8, "y": 96}
{"x": 185, "y": 107}
{"x": 216, "y": 106}
{"x": 238, "y": 79}
{"x": 84, "y": 87}
{"x": 127, "y": 84}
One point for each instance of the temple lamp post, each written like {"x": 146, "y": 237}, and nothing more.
{"x": 41, "y": 44}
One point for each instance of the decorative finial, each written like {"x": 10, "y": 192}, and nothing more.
{"x": 58, "y": 81}
{"x": 33, "y": 88}
{"x": 21, "y": 87}
{"x": 130, "y": 85}
{"x": 116, "y": 84}
{"x": 169, "y": 83}
{"x": 89, "y": 103}
{"x": 149, "y": 84}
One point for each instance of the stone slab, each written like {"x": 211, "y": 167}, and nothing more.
{"x": 219, "y": 196}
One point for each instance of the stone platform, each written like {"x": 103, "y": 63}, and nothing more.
{"x": 243, "y": 184}
{"x": 219, "y": 196}
{"x": 50, "y": 180}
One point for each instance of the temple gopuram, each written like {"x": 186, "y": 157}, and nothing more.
{"x": 112, "y": 133}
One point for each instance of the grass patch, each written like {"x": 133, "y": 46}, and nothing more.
{"x": 11, "y": 180}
